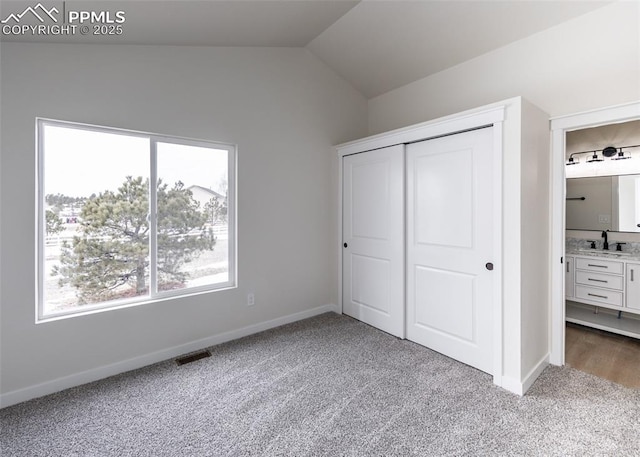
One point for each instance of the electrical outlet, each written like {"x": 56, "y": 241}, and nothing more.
{"x": 251, "y": 299}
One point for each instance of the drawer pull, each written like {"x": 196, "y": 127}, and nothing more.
{"x": 631, "y": 275}
{"x": 599, "y": 266}
{"x": 599, "y": 296}
{"x": 597, "y": 280}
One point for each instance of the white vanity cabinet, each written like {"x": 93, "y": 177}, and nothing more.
{"x": 633, "y": 286}
{"x": 611, "y": 286}
{"x": 569, "y": 282}
{"x": 599, "y": 282}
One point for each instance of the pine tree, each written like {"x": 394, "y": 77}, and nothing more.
{"x": 216, "y": 210}
{"x": 53, "y": 223}
{"x": 112, "y": 250}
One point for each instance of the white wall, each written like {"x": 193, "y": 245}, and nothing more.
{"x": 586, "y": 63}
{"x": 281, "y": 106}
{"x": 534, "y": 227}
{"x": 525, "y": 244}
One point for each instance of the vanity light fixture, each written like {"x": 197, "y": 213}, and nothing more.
{"x": 575, "y": 161}
{"x": 620, "y": 156}
{"x": 610, "y": 152}
{"x": 595, "y": 158}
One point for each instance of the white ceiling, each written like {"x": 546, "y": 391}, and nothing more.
{"x": 201, "y": 23}
{"x": 376, "y": 45}
{"x": 382, "y": 45}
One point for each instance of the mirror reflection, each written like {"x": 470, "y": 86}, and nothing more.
{"x": 604, "y": 203}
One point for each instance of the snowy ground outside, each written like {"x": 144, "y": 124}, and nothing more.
{"x": 210, "y": 267}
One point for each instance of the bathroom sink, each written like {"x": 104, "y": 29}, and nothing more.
{"x": 596, "y": 252}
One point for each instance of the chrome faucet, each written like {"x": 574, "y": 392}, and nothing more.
{"x": 605, "y": 246}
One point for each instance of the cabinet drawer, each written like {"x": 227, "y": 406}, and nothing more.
{"x": 589, "y": 278}
{"x": 606, "y": 297}
{"x": 599, "y": 265}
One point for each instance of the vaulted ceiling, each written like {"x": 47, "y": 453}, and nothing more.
{"x": 376, "y": 45}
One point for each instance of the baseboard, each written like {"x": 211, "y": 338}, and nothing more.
{"x": 95, "y": 374}
{"x": 531, "y": 377}
{"x": 520, "y": 387}
{"x": 512, "y": 385}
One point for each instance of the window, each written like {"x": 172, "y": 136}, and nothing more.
{"x": 127, "y": 217}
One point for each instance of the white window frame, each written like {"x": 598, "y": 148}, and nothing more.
{"x": 153, "y": 296}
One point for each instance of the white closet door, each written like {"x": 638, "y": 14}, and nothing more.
{"x": 373, "y": 241}
{"x": 449, "y": 244}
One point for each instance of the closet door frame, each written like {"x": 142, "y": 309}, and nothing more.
{"x": 490, "y": 116}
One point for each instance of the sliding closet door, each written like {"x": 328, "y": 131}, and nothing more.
{"x": 449, "y": 246}
{"x": 373, "y": 241}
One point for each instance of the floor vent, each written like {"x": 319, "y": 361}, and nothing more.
{"x": 193, "y": 357}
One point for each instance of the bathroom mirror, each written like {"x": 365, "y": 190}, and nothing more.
{"x": 604, "y": 203}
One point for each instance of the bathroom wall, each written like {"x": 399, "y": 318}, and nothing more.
{"x": 596, "y": 139}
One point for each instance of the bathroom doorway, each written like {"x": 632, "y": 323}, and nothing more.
{"x": 573, "y": 341}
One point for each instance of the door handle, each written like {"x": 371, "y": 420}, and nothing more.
{"x": 345, "y": 245}
{"x": 599, "y": 296}
{"x": 489, "y": 266}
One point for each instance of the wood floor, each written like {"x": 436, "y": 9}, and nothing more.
{"x": 607, "y": 355}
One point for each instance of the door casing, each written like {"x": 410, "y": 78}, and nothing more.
{"x": 559, "y": 127}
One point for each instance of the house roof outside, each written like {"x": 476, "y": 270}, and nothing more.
{"x": 200, "y": 192}
{"x": 205, "y": 190}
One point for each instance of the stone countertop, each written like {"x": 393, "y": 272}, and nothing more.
{"x": 614, "y": 255}
{"x": 630, "y": 249}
